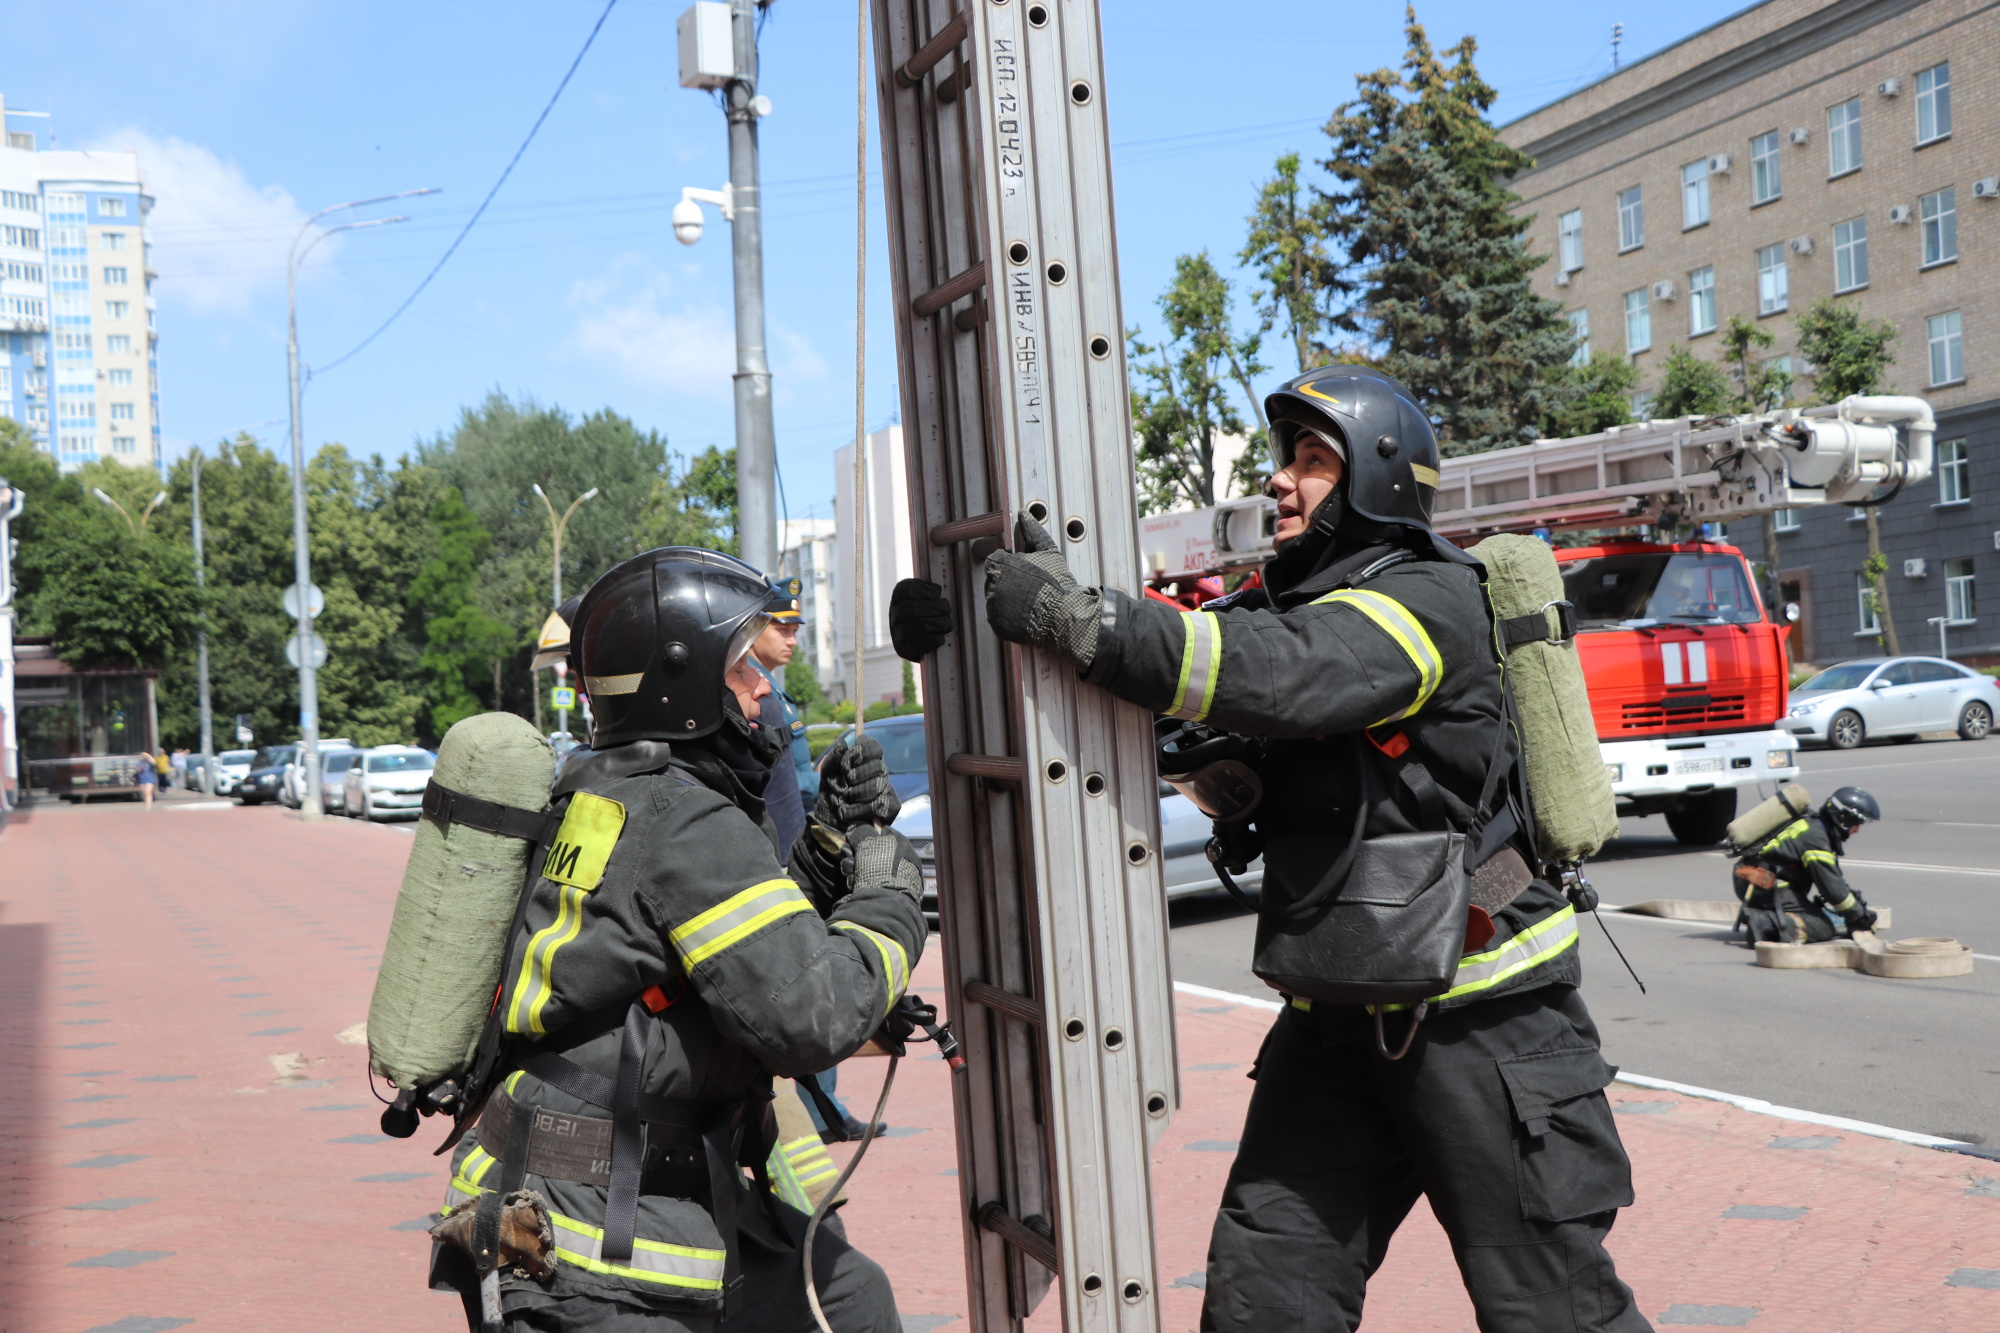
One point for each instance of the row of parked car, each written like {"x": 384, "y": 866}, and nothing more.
{"x": 379, "y": 782}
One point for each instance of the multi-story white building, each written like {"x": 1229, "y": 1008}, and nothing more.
{"x": 889, "y": 559}
{"x": 805, "y": 552}
{"x": 78, "y": 346}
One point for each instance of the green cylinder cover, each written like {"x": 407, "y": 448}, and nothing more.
{"x": 448, "y": 937}
{"x": 1575, "y": 811}
{"x": 1761, "y": 821}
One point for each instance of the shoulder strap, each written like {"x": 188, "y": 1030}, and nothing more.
{"x": 450, "y": 807}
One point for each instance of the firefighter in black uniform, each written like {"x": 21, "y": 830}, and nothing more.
{"x": 1790, "y": 883}
{"x": 667, "y": 966}
{"x": 1371, "y": 639}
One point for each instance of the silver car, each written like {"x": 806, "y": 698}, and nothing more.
{"x": 388, "y": 780}
{"x": 1899, "y": 697}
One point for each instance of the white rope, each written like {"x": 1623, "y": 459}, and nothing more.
{"x": 860, "y": 358}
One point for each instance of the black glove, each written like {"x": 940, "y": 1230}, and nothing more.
{"x": 1861, "y": 918}
{"x": 884, "y": 859}
{"x": 919, "y": 618}
{"x": 854, "y": 787}
{"x": 1031, "y": 597}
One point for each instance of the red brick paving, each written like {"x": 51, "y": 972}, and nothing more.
{"x": 153, "y": 965}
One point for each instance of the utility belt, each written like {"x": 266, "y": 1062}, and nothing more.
{"x": 677, "y": 1146}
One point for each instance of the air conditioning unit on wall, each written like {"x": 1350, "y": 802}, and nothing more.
{"x": 1889, "y": 88}
{"x": 1800, "y": 137}
{"x": 1562, "y": 277}
{"x": 1802, "y": 245}
{"x": 1900, "y": 214}
{"x": 1916, "y": 569}
{"x": 1719, "y": 164}
{"x": 1986, "y": 188}
{"x": 1663, "y": 290}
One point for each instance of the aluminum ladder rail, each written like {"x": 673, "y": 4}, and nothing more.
{"x": 1010, "y": 342}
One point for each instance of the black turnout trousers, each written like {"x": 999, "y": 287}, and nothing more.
{"x": 1497, "y": 1114}
{"x": 854, "y": 1292}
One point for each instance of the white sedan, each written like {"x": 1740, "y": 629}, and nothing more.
{"x": 1900, "y": 697}
{"x": 388, "y": 780}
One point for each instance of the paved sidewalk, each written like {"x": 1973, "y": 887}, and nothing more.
{"x": 186, "y": 1140}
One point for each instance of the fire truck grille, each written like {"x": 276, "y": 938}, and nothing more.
{"x": 1720, "y": 710}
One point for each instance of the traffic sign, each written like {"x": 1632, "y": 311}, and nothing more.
{"x": 564, "y": 696}
{"x": 315, "y": 602}
{"x": 315, "y": 646}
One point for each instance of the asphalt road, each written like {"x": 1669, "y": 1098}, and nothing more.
{"x": 1917, "y": 1055}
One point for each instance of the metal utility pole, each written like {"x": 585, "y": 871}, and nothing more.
{"x": 310, "y": 807}
{"x": 555, "y": 582}
{"x": 201, "y": 646}
{"x": 726, "y": 60}
{"x": 11, "y": 501}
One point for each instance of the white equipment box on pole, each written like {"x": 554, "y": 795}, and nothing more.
{"x": 1010, "y": 340}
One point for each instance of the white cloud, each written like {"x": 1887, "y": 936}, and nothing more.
{"x": 634, "y": 320}
{"x": 218, "y": 240}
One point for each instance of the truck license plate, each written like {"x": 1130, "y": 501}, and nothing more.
{"x": 1698, "y": 766}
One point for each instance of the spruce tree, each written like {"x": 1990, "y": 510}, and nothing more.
{"x": 1422, "y": 212}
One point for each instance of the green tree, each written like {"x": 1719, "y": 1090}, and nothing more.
{"x": 1443, "y": 265}
{"x": 1599, "y": 397}
{"x": 802, "y": 682}
{"x": 1692, "y": 387}
{"x": 464, "y": 645}
{"x": 1760, "y": 386}
{"x": 1847, "y": 355}
{"x": 1287, "y": 248}
{"x": 701, "y": 505}
{"x": 1186, "y": 409}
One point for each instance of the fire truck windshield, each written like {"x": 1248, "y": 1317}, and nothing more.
{"x": 1643, "y": 588}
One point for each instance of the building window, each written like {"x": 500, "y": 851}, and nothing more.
{"x": 117, "y": 309}
{"x": 1959, "y": 607}
{"x": 1694, "y": 194}
{"x": 1579, "y": 326}
{"x": 20, "y": 199}
{"x": 1939, "y": 213}
{"x": 121, "y": 412}
{"x": 1843, "y": 138}
{"x": 1947, "y": 343}
{"x": 1631, "y": 220}
{"x": 21, "y": 139}
{"x": 112, "y": 240}
{"x": 1701, "y": 301}
{"x": 1642, "y": 406}
{"x": 117, "y": 342}
{"x": 28, "y": 238}
{"x": 1934, "y": 103}
{"x": 110, "y": 206}
{"x": 1954, "y": 473}
{"x": 1569, "y": 240}
{"x": 1766, "y": 177}
{"x": 1638, "y": 322}
{"x": 1773, "y": 282}
{"x": 114, "y": 277}
{"x": 1850, "y": 254}
{"x": 1864, "y": 596}
{"x": 1786, "y": 520}
{"x": 119, "y": 378}
{"x": 66, "y": 203}
{"x": 124, "y": 444}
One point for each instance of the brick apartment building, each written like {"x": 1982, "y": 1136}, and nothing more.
{"x": 1795, "y": 150}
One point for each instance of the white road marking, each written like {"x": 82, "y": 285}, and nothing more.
{"x": 197, "y": 805}
{"x": 1752, "y": 1104}
{"x": 1906, "y": 763}
{"x": 1905, "y": 865}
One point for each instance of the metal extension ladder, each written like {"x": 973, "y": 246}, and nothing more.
{"x": 1010, "y": 342}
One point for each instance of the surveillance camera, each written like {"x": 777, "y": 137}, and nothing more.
{"x": 687, "y": 222}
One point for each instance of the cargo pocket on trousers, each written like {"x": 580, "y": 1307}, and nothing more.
{"x": 1570, "y": 1162}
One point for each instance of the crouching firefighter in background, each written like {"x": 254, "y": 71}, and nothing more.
{"x": 1354, "y": 733}
{"x": 1791, "y": 886}
{"x": 664, "y": 966}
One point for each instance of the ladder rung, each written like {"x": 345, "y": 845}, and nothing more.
{"x": 952, "y": 85}
{"x": 1006, "y": 1001}
{"x": 1021, "y": 1236}
{"x": 936, "y": 49}
{"x": 969, "y": 529}
{"x": 937, "y": 298}
{"x": 992, "y": 767}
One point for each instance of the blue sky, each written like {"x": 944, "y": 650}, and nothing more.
{"x": 249, "y": 115}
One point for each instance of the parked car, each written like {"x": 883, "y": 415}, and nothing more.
{"x": 388, "y": 780}
{"x": 1184, "y": 830}
{"x": 230, "y": 768}
{"x": 293, "y": 791}
{"x": 333, "y": 766}
{"x": 1897, "y": 697}
{"x": 264, "y": 779}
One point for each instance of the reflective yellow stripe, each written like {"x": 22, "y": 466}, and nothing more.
{"x": 895, "y": 963}
{"x": 1390, "y": 616}
{"x": 737, "y": 918}
{"x": 1815, "y": 856}
{"x": 808, "y": 1158}
{"x": 785, "y": 1182}
{"x": 1201, "y": 665}
{"x": 1785, "y": 834}
{"x": 1845, "y": 904}
{"x": 1531, "y": 948}
{"x": 652, "y": 1261}
{"x": 534, "y": 988}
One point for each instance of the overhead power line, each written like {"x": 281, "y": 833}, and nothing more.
{"x": 480, "y": 211}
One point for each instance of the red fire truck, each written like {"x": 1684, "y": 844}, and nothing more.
{"x": 1688, "y": 669}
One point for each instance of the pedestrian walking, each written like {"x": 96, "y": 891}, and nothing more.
{"x": 149, "y": 778}
{"x": 178, "y": 769}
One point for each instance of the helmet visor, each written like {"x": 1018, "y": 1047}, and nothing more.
{"x": 746, "y": 634}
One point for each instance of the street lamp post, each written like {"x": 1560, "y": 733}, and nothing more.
{"x": 138, "y": 527}
{"x": 310, "y": 807}
{"x": 201, "y": 646}
{"x": 555, "y": 582}
{"x": 741, "y": 201}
